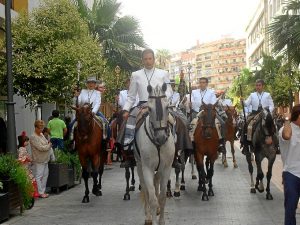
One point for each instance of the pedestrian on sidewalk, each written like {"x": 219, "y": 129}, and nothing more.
{"x": 57, "y": 129}
{"x": 289, "y": 142}
{"x": 40, "y": 148}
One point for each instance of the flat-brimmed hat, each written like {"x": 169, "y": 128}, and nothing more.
{"x": 92, "y": 79}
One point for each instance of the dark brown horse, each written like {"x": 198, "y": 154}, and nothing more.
{"x": 116, "y": 124}
{"x": 230, "y": 127}
{"x": 88, "y": 142}
{"x": 206, "y": 144}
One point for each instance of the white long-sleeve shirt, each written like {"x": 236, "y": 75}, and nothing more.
{"x": 90, "y": 96}
{"x": 198, "y": 96}
{"x": 123, "y": 97}
{"x": 264, "y": 99}
{"x": 175, "y": 98}
{"x": 138, "y": 85}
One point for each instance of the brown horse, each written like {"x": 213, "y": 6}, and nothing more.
{"x": 116, "y": 124}
{"x": 88, "y": 142}
{"x": 206, "y": 144}
{"x": 230, "y": 127}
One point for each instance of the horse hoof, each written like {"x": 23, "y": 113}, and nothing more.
{"x": 235, "y": 165}
{"x": 158, "y": 211}
{"x": 169, "y": 194}
{"x": 182, "y": 187}
{"x": 126, "y": 197}
{"x": 194, "y": 177}
{"x": 140, "y": 188}
{"x": 252, "y": 191}
{"x": 211, "y": 193}
{"x": 205, "y": 197}
{"x": 259, "y": 190}
{"x": 225, "y": 164}
{"x": 269, "y": 196}
{"x": 148, "y": 222}
{"x": 97, "y": 192}
{"x": 132, "y": 188}
{"x": 86, "y": 199}
{"x": 176, "y": 194}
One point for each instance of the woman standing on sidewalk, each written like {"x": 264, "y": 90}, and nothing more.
{"x": 289, "y": 142}
{"x": 40, "y": 156}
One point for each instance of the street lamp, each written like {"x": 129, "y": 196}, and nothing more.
{"x": 11, "y": 123}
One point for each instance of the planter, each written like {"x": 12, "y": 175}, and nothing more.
{"x": 4, "y": 206}
{"x": 71, "y": 177}
{"x": 58, "y": 176}
{"x": 14, "y": 195}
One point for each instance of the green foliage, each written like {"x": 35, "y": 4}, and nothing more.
{"x": 162, "y": 56}
{"x": 120, "y": 36}
{"x": 70, "y": 159}
{"x": 1, "y": 185}
{"x": 10, "y": 168}
{"x": 48, "y": 43}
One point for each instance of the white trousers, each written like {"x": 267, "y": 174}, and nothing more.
{"x": 41, "y": 172}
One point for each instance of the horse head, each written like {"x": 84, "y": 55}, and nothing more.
{"x": 158, "y": 113}
{"x": 267, "y": 123}
{"x": 84, "y": 118}
{"x": 208, "y": 116}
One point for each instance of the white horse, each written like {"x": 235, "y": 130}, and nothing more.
{"x": 154, "y": 152}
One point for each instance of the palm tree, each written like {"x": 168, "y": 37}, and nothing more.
{"x": 120, "y": 37}
{"x": 284, "y": 33}
{"x": 162, "y": 58}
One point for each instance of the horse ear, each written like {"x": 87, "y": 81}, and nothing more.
{"x": 91, "y": 105}
{"x": 74, "y": 108}
{"x": 164, "y": 87}
{"x": 149, "y": 88}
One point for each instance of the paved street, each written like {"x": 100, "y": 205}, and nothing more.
{"x": 232, "y": 204}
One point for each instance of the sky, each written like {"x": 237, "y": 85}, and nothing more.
{"x": 176, "y": 25}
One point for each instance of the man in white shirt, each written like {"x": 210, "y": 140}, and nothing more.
{"x": 175, "y": 98}
{"x": 257, "y": 100}
{"x": 289, "y": 142}
{"x": 208, "y": 96}
{"x": 122, "y": 97}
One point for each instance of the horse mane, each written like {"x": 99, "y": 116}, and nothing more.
{"x": 270, "y": 123}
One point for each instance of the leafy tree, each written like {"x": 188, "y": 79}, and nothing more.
{"x": 120, "y": 37}
{"x": 47, "y": 45}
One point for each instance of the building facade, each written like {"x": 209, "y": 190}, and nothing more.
{"x": 220, "y": 61}
{"x": 257, "y": 40}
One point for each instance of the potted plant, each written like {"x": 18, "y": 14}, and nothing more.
{"x": 16, "y": 182}
{"x": 4, "y": 204}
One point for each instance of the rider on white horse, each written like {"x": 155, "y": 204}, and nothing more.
{"x": 139, "y": 82}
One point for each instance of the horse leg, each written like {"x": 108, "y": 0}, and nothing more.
{"x": 210, "y": 175}
{"x": 224, "y": 158}
{"x": 162, "y": 198}
{"x": 177, "y": 185}
{"x": 132, "y": 187}
{"x": 260, "y": 175}
{"x": 101, "y": 170}
{"x": 127, "y": 176}
{"x": 169, "y": 192}
{"x": 149, "y": 186}
{"x": 85, "y": 176}
{"x": 233, "y": 154}
{"x": 202, "y": 174}
{"x": 182, "y": 186}
{"x": 250, "y": 168}
{"x": 269, "y": 176}
{"x": 95, "y": 190}
{"x": 192, "y": 158}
